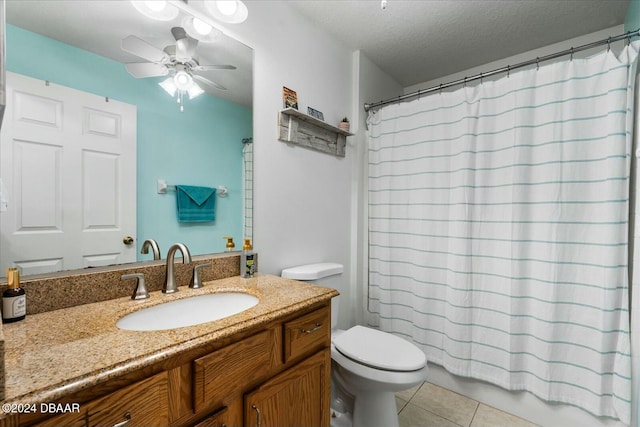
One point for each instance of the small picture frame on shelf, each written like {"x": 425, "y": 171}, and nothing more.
{"x": 315, "y": 113}
{"x": 289, "y": 98}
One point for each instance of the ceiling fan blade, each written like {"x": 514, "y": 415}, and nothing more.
{"x": 146, "y": 69}
{"x": 144, "y": 50}
{"x": 185, "y": 45}
{"x": 213, "y": 67}
{"x": 208, "y": 82}
{"x": 185, "y": 49}
{"x": 178, "y": 33}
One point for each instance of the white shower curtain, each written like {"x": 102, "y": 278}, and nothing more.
{"x": 498, "y": 229}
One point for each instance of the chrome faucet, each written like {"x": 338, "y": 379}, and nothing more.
{"x": 154, "y": 248}
{"x": 170, "y": 280}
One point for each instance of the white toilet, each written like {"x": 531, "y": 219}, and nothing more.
{"x": 368, "y": 366}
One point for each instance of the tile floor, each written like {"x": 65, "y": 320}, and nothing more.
{"x": 429, "y": 405}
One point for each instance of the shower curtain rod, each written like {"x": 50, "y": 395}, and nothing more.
{"x": 507, "y": 69}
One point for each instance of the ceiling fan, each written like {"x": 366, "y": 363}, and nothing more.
{"x": 177, "y": 60}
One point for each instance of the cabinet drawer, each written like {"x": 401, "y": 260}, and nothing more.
{"x": 307, "y": 333}
{"x": 233, "y": 368}
{"x": 144, "y": 404}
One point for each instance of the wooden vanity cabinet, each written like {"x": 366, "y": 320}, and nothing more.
{"x": 280, "y": 371}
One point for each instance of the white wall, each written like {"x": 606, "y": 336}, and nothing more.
{"x": 302, "y": 198}
{"x": 370, "y": 83}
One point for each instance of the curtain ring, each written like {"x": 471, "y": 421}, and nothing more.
{"x": 571, "y": 58}
{"x": 440, "y": 88}
{"x": 465, "y": 82}
{"x": 508, "y": 70}
{"x": 481, "y": 78}
{"x": 628, "y": 38}
{"x": 537, "y": 63}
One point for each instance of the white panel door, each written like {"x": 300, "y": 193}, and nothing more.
{"x": 68, "y": 169}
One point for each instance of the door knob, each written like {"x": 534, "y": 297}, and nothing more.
{"x": 127, "y": 240}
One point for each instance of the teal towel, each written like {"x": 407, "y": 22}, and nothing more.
{"x": 196, "y": 204}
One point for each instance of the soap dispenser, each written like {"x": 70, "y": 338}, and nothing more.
{"x": 247, "y": 260}
{"x": 14, "y": 299}
{"x": 230, "y": 245}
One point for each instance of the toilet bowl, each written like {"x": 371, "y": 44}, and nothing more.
{"x": 368, "y": 366}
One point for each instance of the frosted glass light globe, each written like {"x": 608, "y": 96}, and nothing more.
{"x": 227, "y": 7}
{"x": 201, "y": 27}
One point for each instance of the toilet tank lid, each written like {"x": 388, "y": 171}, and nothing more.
{"x": 313, "y": 271}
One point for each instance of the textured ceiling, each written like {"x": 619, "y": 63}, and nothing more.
{"x": 417, "y": 41}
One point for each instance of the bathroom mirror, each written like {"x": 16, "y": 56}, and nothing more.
{"x": 78, "y": 43}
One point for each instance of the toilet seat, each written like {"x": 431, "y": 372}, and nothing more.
{"x": 380, "y": 350}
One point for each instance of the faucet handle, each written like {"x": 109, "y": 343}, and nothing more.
{"x": 196, "y": 283}
{"x": 140, "y": 292}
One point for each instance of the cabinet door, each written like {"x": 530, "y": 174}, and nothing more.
{"x": 297, "y": 397}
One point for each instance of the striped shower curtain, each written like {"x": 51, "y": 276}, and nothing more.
{"x": 498, "y": 229}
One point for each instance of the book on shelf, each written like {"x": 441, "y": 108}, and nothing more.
{"x": 290, "y": 98}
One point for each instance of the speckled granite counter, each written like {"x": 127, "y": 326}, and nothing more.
{"x": 56, "y": 353}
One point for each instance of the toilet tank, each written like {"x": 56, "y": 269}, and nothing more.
{"x": 321, "y": 274}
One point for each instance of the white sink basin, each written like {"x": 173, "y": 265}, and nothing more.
{"x": 188, "y": 311}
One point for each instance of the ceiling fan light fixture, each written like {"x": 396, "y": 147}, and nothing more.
{"x": 169, "y": 86}
{"x": 194, "y": 91}
{"x": 201, "y": 27}
{"x": 182, "y": 80}
{"x": 228, "y": 11}
{"x": 160, "y": 10}
{"x": 200, "y": 30}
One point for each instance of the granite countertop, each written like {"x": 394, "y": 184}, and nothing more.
{"x": 56, "y": 353}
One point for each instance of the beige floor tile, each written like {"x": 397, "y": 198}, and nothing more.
{"x": 445, "y": 403}
{"x": 414, "y": 416}
{"x": 408, "y": 394}
{"x": 400, "y": 404}
{"x": 487, "y": 416}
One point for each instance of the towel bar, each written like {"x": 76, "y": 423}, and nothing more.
{"x": 163, "y": 188}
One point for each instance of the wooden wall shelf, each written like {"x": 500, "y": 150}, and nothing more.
{"x": 299, "y": 128}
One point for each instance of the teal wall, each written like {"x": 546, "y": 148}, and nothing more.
{"x": 201, "y": 146}
{"x": 632, "y": 20}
